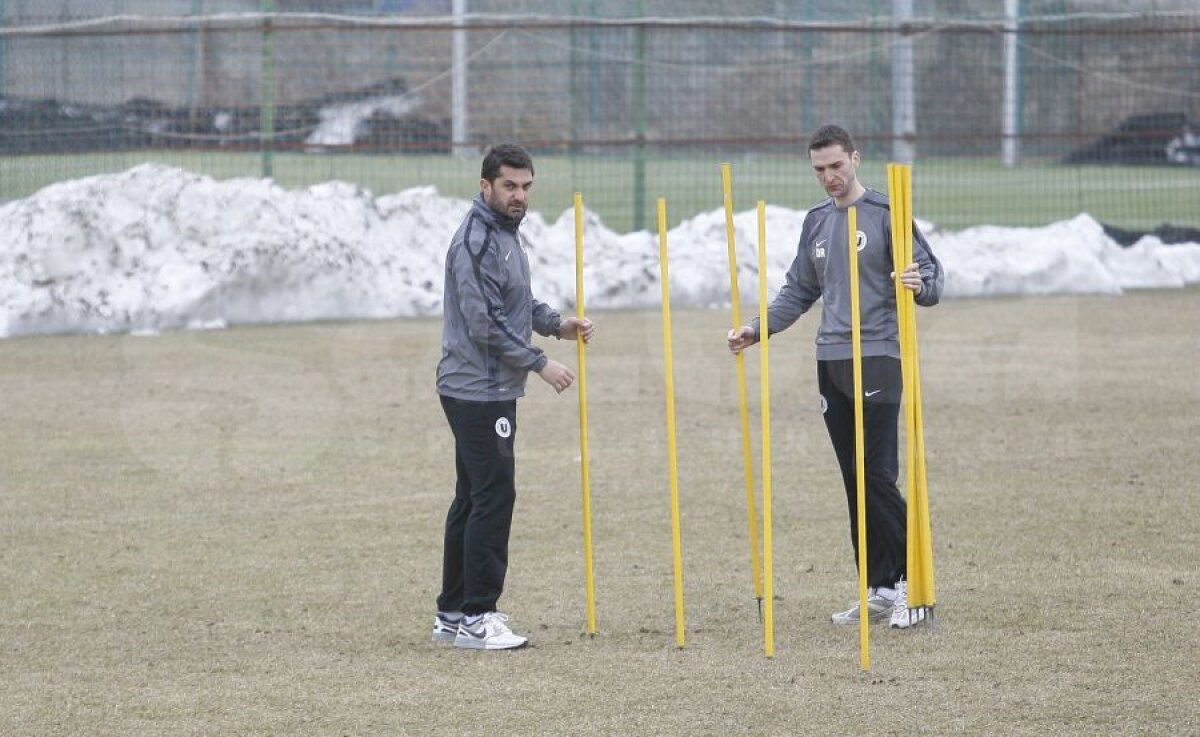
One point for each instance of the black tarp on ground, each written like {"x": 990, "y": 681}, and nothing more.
{"x": 1151, "y": 138}
{"x": 42, "y": 126}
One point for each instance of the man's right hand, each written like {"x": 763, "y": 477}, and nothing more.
{"x": 557, "y": 375}
{"x": 741, "y": 338}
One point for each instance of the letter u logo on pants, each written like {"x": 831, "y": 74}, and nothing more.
{"x": 503, "y": 427}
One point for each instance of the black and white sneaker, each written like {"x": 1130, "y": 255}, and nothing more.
{"x": 487, "y": 631}
{"x": 445, "y": 626}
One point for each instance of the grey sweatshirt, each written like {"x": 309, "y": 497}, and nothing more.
{"x": 489, "y": 313}
{"x": 821, "y": 270}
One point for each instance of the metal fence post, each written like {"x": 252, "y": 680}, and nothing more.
{"x": 459, "y": 122}
{"x": 193, "y": 77}
{"x": 904, "y": 112}
{"x": 2, "y": 45}
{"x": 639, "y": 123}
{"x": 267, "y": 92}
{"x": 1012, "y": 80}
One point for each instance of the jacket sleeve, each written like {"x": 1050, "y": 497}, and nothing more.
{"x": 477, "y": 270}
{"x": 546, "y": 321}
{"x": 800, "y": 290}
{"x": 933, "y": 279}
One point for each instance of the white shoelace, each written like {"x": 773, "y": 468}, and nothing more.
{"x": 496, "y": 623}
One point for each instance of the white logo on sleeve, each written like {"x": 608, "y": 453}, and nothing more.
{"x": 503, "y": 427}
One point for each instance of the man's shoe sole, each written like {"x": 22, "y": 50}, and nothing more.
{"x": 848, "y": 622}
{"x": 875, "y": 617}
{"x": 467, "y": 644}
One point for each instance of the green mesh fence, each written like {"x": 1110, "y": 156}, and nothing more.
{"x": 1058, "y": 109}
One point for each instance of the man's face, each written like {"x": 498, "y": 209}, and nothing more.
{"x": 836, "y": 170}
{"x": 508, "y": 195}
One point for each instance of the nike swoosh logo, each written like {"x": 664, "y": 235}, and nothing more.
{"x": 872, "y": 393}
{"x": 821, "y": 243}
{"x": 507, "y": 255}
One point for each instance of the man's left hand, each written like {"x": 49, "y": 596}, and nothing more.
{"x": 911, "y": 278}
{"x": 573, "y": 328}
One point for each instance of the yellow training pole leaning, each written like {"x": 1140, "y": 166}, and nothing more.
{"x": 925, "y": 590}
{"x": 901, "y": 257}
{"x": 920, "y": 541}
{"x": 922, "y": 594}
{"x": 765, "y": 411}
{"x": 902, "y": 237}
{"x": 672, "y": 459}
{"x": 864, "y": 618}
{"x": 584, "y": 472}
{"x": 743, "y": 403}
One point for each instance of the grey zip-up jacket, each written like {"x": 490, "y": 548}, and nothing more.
{"x": 489, "y": 313}
{"x": 821, "y": 270}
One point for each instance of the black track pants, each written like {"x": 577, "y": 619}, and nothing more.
{"x": 475, "y": 557}
{"x": 887, "y": 514}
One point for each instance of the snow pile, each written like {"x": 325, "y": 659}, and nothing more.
{"x": 158, "y": 248}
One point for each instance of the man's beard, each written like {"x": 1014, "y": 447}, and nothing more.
{"x": 500, "y": 207}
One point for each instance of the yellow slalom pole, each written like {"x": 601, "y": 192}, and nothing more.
{"x": 584, "y": 468}
{"x": 864, "y": 619}
{"x": 920, "y": 541}
{"x": 901, "y": 257}
{"x": 672, "y": 457}
{"x": 922, "y": 594}
{"x": 743, "y": 402}
{"x": 925, "y": 590}
{"x": 905, "y": 310}
{"x": 765, "y": 411}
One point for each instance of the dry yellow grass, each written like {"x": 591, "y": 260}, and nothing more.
{"x": 238, "y": 532}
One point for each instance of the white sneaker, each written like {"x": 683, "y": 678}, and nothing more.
{"x": 902, "y": 617}
{"x": 445, "y": 626}
{"x": 878, "y": 607}
{"x": 488, "y": 632}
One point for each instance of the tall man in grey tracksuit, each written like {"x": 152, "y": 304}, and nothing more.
{"x": 489, "y": 318}
{"x": 821, "y": 270}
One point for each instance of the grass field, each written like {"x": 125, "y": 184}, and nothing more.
{"x": 953, "y": 193}
{"x": 238, "y": 533}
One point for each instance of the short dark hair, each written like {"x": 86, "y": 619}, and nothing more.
{"x": 504, "y": 154}
{"x": 831, "y": 135}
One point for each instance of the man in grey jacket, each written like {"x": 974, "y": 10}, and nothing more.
{"x": 821, "y": 271}
{"x": 489, "y": 316}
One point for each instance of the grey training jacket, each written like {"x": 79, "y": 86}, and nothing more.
{"x": 821, "y": 270}
{"x": 489, "y": 313}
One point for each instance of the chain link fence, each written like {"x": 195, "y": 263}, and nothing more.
{"x": 1055, "y": 109}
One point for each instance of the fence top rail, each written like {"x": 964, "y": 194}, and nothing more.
{"x": 1185, "y": 21}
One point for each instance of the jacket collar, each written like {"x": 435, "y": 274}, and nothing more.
{"x": 485, "y": 211}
